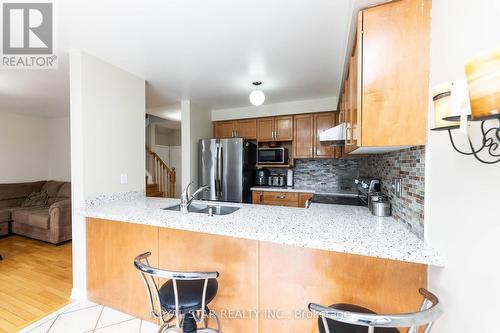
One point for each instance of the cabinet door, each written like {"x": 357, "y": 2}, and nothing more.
{"x": 322, "y": 122}
{"x": 224, "y": 129}
{"x": 246, "y": 128}
{"x": 284, "y": 128}
{"x": 257, "y": 197}
{"x": 395, "y": 73}
{"x": 351, "y": 106}
{"x": 265, "y": 129}
{"x": 303, "y": 142}
{"x": 303, "y": 197}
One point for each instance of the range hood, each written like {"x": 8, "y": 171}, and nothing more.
{"x": 334, "y": 135}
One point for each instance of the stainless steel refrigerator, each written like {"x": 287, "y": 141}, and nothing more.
{"x": 228, "y": 167}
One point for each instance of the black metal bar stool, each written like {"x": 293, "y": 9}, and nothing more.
{"x": 349, "y": 318}
{"x": 184, "y": 297}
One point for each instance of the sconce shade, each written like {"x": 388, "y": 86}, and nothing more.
{"x": 483, "y": 76}
{"x": 443, "y": 107}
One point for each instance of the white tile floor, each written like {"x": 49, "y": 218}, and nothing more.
{"x": 82, "y": 317}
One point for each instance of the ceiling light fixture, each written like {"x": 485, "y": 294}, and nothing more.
{"x": 257, "y": 97}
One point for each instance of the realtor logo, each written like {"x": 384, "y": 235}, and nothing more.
{"x": 28, "y": 35}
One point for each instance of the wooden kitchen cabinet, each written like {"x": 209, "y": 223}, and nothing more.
{"x": 275, "y": 129}
{"x": 224, "y": 129}
{"x": 289, "y": 199}
{"x": 395, "y": 73}
{"x": 246, "y": 128}
{"x": 303, "y": 197}
{"x": 385, "y": 96}
{"x": 322, "y": 122}
{"x": 303, "y": 144}
{"x": 284, "y": 128}
{"x": 265, "y": 129}
{"x": 307, "y": 128}
{"x": 243, "y": 128}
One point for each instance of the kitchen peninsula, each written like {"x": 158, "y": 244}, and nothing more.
{"x": 269, "y": 259}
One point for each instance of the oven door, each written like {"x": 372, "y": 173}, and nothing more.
{"x": 272, "y": 155}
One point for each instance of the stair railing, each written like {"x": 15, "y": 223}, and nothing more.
{"x": 163, "y": 176}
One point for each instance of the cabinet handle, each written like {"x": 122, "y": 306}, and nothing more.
{"x": 235, "y": 133}
{"x": 281, "y": 197}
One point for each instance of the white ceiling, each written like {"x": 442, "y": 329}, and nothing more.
{"x": 207, "y": 51}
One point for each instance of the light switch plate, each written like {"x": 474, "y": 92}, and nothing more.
{"x": 397, "y": 187}
{"x": 123, "y": 179}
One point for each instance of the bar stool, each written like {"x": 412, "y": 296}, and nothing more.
{"x": 349, "y": 318}
{"x": 184, "y": 297}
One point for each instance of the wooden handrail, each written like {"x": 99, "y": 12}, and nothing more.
{"x": 163, "y": 176}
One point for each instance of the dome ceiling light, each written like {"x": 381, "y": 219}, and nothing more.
{"x": 257, "y": 97}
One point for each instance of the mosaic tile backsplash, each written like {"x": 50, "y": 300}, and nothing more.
{"x": 408, "y": 164}
{"x": 324, "y": 175}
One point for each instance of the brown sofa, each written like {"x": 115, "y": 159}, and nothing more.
{"x": 50, "y": 223}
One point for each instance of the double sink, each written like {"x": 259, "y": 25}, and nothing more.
{"x": 205, "y": 209}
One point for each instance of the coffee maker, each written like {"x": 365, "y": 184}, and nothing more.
{"x": 262, "y": 177}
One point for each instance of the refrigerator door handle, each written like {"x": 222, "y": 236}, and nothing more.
{"x": 221, "y": 170}
{"x": 217, "y": 168}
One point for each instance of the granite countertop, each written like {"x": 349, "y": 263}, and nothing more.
{"x": 347, "y": 229}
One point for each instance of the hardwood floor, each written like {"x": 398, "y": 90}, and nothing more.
{"x": 35, "y": 280}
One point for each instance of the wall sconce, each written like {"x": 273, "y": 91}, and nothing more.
{"x": 458, "y": 102}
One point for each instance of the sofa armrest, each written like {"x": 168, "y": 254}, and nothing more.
{"x": 60, "y": 221}
{"x": 60, "y": 205}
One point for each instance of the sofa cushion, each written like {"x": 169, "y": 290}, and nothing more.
{"x": 5, "y": 215}
{"x": 52, "y": 187}
{"x": 19, "y": 190}
{"x": 36, "y": 199}
{"x": 38, "y": 217}
{"x": 65, "y": 191}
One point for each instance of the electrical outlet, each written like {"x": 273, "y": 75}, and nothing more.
{"x": 123, "y": 179}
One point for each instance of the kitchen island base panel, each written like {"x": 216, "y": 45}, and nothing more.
{"x": 292, "y": 277}
{"x": 263, "y": 286}
{"x": 112, "y": 279}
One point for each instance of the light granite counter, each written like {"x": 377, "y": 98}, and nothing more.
{"x": 347, "y": 229}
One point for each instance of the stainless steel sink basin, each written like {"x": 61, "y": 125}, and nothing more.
{"x": 205, "y": 209}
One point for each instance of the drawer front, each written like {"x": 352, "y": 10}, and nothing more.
{"x": 280, "y": 197}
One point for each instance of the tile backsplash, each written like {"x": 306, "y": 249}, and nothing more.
{"x": 324, "y": 175}
{"x": 408, "y": 164}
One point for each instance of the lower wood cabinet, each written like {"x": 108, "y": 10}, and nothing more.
{"x": 289, "y": 199}
{"x": 263, "y": 287}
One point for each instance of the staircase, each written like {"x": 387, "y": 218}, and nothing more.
{"x": 163, "y": 178}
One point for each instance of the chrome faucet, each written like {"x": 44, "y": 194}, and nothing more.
{"x": 186, "y": 199}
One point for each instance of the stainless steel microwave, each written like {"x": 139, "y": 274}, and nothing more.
{"x": 278, "y": 155}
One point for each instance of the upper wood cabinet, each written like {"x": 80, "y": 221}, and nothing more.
{"x": 244, "y": 128}
{"x": 307, "y": 128}
{"x": 224, "y": 129}
{"x": 304, "y": 136}
{"x": 275, "y": 129}
{"x": 385, "y": 95}
{"x": 322, "y": 122}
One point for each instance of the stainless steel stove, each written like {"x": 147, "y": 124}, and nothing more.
{"x": 338, "y": 199}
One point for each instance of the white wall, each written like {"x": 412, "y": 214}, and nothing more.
{"x": 293, "y": 107}
{"x": 102, "y": 150}
{"x": 33, "y": 148}
{"x": 196, "y": 125}
{"x": 462, "y": 215}
{"x": 59, "y": 156}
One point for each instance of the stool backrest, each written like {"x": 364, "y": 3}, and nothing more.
{"x": 429, "y": 311}
{"x": 148, "y": 273}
